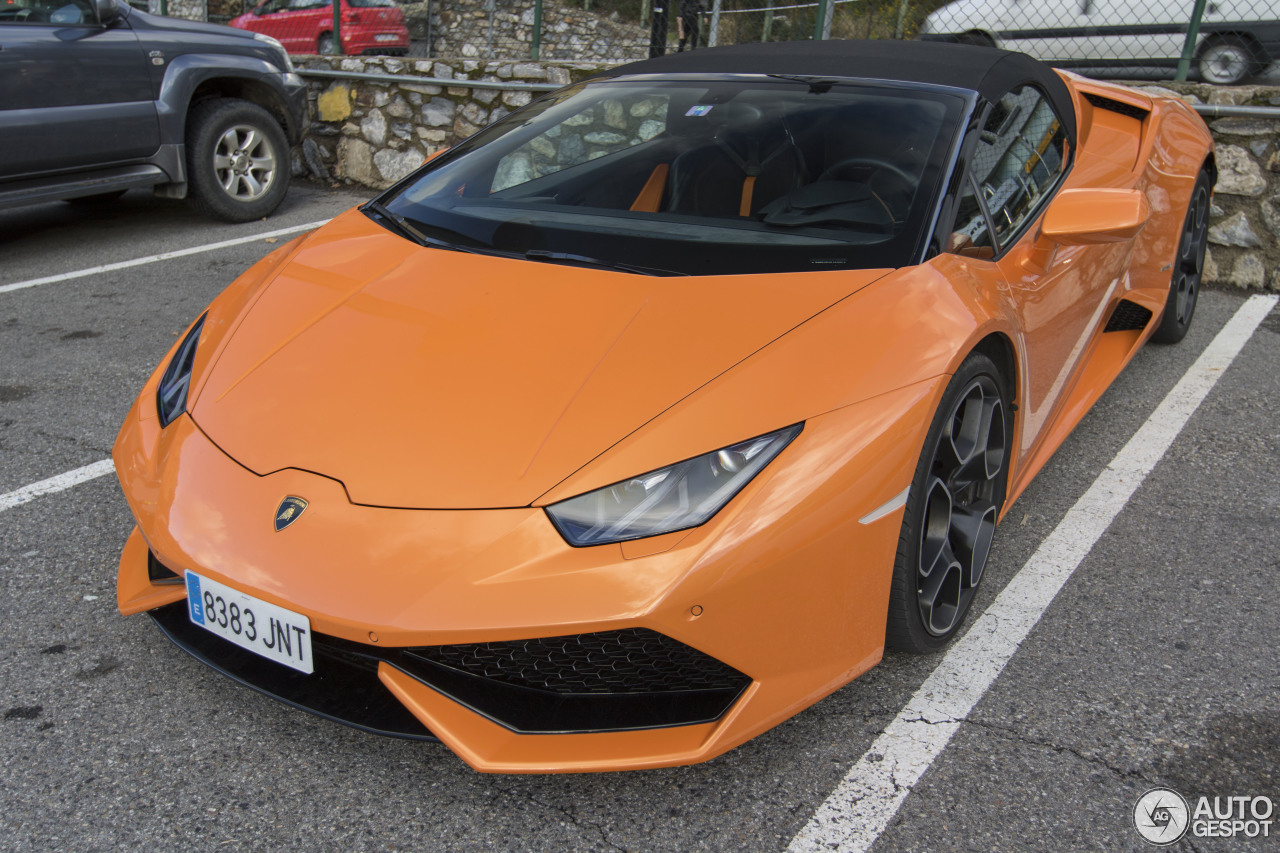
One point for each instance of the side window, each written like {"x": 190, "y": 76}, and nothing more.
{"x": 46, "y": 12}
{"x": 1019, "y": 157}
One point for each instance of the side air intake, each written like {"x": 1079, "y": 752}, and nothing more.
{"x": 1128, "y": 317}
{"x": 1101, "y": 103}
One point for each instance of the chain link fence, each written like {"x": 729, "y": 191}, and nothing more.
{"x": 1218, "y": 41}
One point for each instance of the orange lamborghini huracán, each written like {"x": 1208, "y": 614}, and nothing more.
{"x": 650, "y": 414}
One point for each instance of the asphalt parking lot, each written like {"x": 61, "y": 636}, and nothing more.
{"x": 1154, "y": 665}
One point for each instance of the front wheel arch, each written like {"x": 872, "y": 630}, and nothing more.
{"x": 243, "y": 89}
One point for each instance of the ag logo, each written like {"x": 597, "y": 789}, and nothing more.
{"x": 288, "y": 511}
{"x": 1161, "y": 816}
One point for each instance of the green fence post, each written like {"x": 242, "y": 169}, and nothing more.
{"x": 822, "y": 19}
{"x": 537, "y": 30}
{"x": 1189, "y": 46}
{"x": 337, "y": 28}
{"x": 900, "y": 29}
{"x": 163, "y": 8}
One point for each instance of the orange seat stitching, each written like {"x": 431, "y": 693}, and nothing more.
{"x": 650, "y": 197}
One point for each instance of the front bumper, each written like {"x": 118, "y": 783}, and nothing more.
{"x": 784, "y": 590}
{"x": 298, "y": 112}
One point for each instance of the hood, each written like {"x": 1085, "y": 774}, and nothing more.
{"x": 427, "y": 378}
{"x": 182, "y": 25}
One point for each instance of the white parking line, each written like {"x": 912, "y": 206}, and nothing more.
{"x": 163, "y": 256}
{"x": 59, "y": 483}
{"x": 860, "y": 808}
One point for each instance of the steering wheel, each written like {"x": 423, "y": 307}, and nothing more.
{"x": 894, "y": 196}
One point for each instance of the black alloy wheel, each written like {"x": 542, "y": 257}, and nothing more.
{"x": 951, "y": 510}
{"x": 1188, "y": 268}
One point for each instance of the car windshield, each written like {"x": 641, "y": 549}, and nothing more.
{"x": 696, "y": 176}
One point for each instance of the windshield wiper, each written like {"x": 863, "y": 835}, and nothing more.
{"x": 584, "y": 260}
{"x": 401, "y": 226}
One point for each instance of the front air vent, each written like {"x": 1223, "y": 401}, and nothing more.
{"x": 158, "y": 572}
{"x": 1128, "y": 317}
{"x": 634, "y": 678}
{"x": 1099, "y": 102}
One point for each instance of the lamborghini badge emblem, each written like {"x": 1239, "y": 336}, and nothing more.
{"x": 289, "y": 510}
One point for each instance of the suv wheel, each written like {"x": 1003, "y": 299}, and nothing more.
{"x": 237, "y": 160}
{"x": 1226, "y": 61}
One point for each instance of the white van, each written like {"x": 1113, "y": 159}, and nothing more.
{"x": 1238, "y": 38}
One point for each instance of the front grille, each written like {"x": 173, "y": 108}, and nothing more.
{"x": 344, "y": 687}
{"x": 634, "y": 660}
{"x": 1128, "y": 317}
{"x": 621, "y": 680}
{"x": 610, "y": 681}
{"x": 1120, "y": 107}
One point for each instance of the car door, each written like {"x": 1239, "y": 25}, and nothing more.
{"x": 1046, "y": 30}
{"x": 1137, "y": 29}
{"x": 1057, "y": 292}
{"x": 73, "y": 93}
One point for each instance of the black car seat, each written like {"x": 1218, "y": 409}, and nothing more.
{"x": 749, "y": 160}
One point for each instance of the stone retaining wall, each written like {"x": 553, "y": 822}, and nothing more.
{"x": 373, "y": 134}
{"x": 1244, "y": 232}
{"x": 503, "y": 29}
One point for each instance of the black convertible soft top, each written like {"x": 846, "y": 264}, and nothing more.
{"x": 985, "y": 70}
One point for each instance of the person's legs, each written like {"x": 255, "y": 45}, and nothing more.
{"x": 688, "y": 31}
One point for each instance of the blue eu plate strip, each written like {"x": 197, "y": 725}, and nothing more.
{"x": 194, "y": 599}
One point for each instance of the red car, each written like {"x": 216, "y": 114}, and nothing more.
{"x": 306, "y": 26}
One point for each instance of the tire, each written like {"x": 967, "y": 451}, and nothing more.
{"x": 324, "y": 46}
{"x": 1188, "y": 267}
{"x": 950, "y": 519}
{"x": 976, "y": 38}
{"x": 1226, "y": 61}
{"x": 237, "y": 160}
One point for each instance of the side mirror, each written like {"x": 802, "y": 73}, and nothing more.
{"x": 1093, "y": 216}
{"x": 107, "y": 11}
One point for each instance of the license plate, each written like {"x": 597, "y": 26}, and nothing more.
{"x": 259, "y": 626}
{"x": 386, "y": 37}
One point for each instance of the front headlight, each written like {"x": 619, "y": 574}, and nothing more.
{"x": 673, "y": 498}
{"x": 171, "y": 394}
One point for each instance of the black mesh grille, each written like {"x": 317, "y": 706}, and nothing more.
{"x": 633, "y": 678}
{"x": 1128, "y": 317}
{"x": 612, "y": 681}
{"x": 1116, "y": 106}
{"x": 635, "y": 660}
